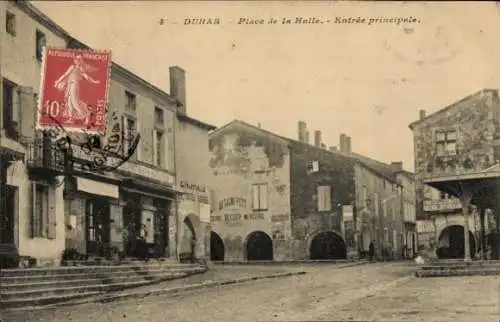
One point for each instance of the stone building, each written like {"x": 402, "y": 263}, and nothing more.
{"x": 193, "y": 174}
{"x": 274, "y": 198}
{"x": 407, "y": 181}
{"x": 93, "y": 212}
{"x": 457, "y": 153}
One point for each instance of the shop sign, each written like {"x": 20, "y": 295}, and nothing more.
{"x": 192, "y": 186}
{"x": 148, "y": 172}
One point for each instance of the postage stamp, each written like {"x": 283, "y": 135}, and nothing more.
{"x": 74, "y": 90}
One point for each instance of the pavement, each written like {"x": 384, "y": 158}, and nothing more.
{"x": 373, "y": 292}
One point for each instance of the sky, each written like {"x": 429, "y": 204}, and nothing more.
{"x": 367, "y": 81}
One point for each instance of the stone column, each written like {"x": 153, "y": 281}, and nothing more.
{"x": 465, "y": 200}
{"x": 482, "y": 212}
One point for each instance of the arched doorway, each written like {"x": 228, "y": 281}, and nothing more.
{"x": 188, "y": 240}
{"x": 259, "y": 247}
{"x": 451, "y": 243}
{"x": 328, "y": 245}
{"x": 216, "y": 247}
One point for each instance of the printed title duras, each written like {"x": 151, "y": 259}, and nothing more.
{"x": 305, "y": 20}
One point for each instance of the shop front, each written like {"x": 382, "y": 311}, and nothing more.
{"x": 146, "y": 210}
{"x": 90, "y": 206}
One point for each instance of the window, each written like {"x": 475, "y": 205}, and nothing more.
{"x": 40, "y": 44}
{"x": 312, "y": 166}
{"x": 129, "y": 133}
{"x": 324, "y": 198}
{"x": 394, "y": 240}
{"x": 259, "y": 197}
{"x": 10, "y": 23}
{"x": 394, "y": 210}
{"x": 131, "y": 102}
{"x": 9, "y": 109}
{"x": 376, "y": 204}
{"x": 159, "y": 150}
{"x": 385, "y": 208}
{"x": 446, "y": 142}
{"x": 386, "y": 235}
{"x": 39, "y": 224}
{"x": 365, "y": 197}
{"x": 159, "y": 116}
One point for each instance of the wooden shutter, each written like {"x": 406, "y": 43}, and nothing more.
{"x": 125, "y": 138}
{"x": 50, "y": 219}
{"x": 154, "y": 144}
{"x": 255, "y": 197}
{"x": 263, "y": 195}
{"x": 32, "y": 210}
{"x": 138, "y": 150}
{"x": 328, "y": 198}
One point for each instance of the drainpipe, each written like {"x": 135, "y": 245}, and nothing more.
{"x": 177, "y": 195}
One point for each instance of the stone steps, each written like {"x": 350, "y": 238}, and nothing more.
{"x": 458, "y": 268}
{"x": 29, "y": 287}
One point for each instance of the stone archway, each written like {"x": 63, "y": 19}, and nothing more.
{"x": 451, "y": 242}
{"x": 217, "y": 248}
{"x": 189, "y": 238}
{"x": 259, "y": 247}
{"x": 327, "y": 245}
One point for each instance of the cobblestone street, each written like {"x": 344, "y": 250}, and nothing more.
{"x": 380, "y": 292}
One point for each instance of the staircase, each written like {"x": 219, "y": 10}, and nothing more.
{"x": 42, "y": 286}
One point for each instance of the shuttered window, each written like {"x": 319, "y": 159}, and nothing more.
{"x": 259, "y": 197}
{"x": 158, "y": 148}
{"x": 324, "y": 198}
{"x": 40, "y": 224}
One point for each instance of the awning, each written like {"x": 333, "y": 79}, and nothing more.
{"x": 484, "y": 186}
{"x": 97, "y": 188}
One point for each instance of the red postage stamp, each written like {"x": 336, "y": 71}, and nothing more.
{"x": 74, "y": 90}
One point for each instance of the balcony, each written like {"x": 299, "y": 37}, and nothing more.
{"x": 442, "y": 205}
{"x": 44, "y": 158}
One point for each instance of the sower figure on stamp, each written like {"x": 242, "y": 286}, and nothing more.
{"x": 69, "y": 82}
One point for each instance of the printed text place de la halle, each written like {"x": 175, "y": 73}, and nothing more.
{"x": 283, "y": 20}
{"x": 304, "y": 20}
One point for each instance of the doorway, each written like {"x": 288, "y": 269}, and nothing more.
{"x": 216, "y": 247}
{"x": 7, "y": 215}
{"x": 259, "y": 247}
{"x": 328, "y": 245}
{"x": 98, "y": 226}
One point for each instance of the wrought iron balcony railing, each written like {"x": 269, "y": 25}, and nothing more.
{"x": 42, "y": 154}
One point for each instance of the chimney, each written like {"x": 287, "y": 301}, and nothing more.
{"x": 317, "y": 139}
{"x": 422, "y": 114}
{"x": 332, "y": 148}
{"x": 348, "y": 144}
{"x": 302, "y": 131}
{"x": 306, "y": 136}
{"x": 397, "y": 166}
{"x": 178, "y": 86}
{"x": 323, "y": 146}
{"x": 342, "y": 142}
{"x": 258, "y": 125}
